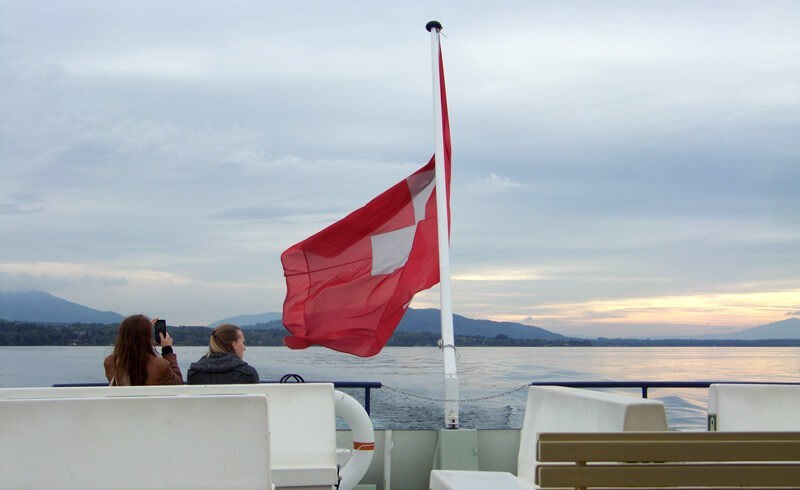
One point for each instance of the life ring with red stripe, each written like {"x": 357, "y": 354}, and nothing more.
{"x": 356, "y": 417}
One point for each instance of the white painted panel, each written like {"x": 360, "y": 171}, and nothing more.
{"x": 755, "y": 407}
{"x": 561, "y": 409}
{"x": 147, "y": 442}
{"x": 302, "y": 414}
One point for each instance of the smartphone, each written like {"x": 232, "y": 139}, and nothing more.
{"x": 160, "y": 327}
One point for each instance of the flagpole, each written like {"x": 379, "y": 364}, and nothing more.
{"x": 448, "y": 339}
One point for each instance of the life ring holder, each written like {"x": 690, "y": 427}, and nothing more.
{"x": 354, "y": 415}
{"x": 287, "y": 377}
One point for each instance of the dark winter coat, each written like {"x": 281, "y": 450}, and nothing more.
{"x": 221, "y": 368}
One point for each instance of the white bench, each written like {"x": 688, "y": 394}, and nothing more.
{"x": 149, "y": 442}
{"x": 559, "y": 409}
{"x": 303, "y": 422}
{"x": 743, "y": 407}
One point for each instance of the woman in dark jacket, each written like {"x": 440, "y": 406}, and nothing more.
{"x": 223, "y": 364}
{"x": 134, "y": 360}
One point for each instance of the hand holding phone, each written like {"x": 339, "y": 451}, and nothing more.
{"x": 159, "y": 328}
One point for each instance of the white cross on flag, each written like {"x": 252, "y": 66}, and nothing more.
{"x": 349, "y": 285}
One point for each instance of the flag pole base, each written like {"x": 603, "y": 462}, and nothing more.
{"x": 456, "y": 450}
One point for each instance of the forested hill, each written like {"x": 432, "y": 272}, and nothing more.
{"x": 428, "y": 320}
{"x": 27, "y": 333}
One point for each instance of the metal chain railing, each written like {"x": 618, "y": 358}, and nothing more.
{"x": 436, "y": 399}
{"x": 441, "y": 345}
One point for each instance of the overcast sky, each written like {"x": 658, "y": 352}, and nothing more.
{"x": 619, "y": 168}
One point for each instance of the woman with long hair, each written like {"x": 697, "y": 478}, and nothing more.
{"x": 223, "y": 364}
{"x": 134, "y": 360}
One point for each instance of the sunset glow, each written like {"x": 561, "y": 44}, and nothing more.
{"x": 724, "y": 309}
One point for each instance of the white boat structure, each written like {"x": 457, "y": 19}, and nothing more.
{"x": 284, "y": 436}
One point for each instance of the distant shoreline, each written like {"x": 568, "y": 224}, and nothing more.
{"x": 39, "y": 334}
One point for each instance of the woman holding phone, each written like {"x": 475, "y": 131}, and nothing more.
{"x": 223, "y": 364}
{"x": 134, "y": 360}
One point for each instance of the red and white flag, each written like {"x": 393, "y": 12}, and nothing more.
{"x": 349, "y": 285}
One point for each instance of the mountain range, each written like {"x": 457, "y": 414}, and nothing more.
{"x": 40, "y": 306}
{"x": 255, "y": 319}
{"x": 428, "y": 320}
{"x": 783, "y": 329}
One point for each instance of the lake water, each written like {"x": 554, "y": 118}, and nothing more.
{"x": 483, "y": 372}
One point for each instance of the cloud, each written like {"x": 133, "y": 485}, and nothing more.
{"x": 21, "y": 206}
{"x": 743, "y": 309}
{"x": 157, "y": 63}
{"x": 48, "y": 274}
{"x": 499, "y": 276}
{"x": 495, "y": 184}
{"x": 248, "y": 214}
{"x": 602, "y": 155}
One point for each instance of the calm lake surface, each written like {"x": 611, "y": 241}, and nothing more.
{"x": 483, "y": 372}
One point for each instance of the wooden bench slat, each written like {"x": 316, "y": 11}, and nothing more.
{"x": 669, "y": 475}
{"x": 668, "y": 436}
{"x": 668, "y": 451}
{"x": 679, "y": 459}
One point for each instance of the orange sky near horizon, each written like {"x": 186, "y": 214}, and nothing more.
{"x": 726, "y": 311}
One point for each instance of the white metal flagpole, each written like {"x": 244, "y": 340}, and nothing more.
{"x": 448, "y": 340}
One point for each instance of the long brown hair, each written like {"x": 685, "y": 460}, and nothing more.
{"x": 132, "y": 349}
{"x": 222, "y": 338}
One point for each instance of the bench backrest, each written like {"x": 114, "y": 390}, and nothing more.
{"x": 740, "y": 407}
{"x": 669, "y": 459}
{"x": 152, "y": 442}
{"x": 560, "y": 409}
{"x": 302, "y": 415}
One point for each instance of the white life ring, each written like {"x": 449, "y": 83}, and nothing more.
{"x": 356, "y": 417}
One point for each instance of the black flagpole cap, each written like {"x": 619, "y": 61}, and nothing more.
{"x": 434, "y": 24}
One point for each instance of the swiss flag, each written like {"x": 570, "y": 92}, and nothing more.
{"x": 349, "y": 285}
